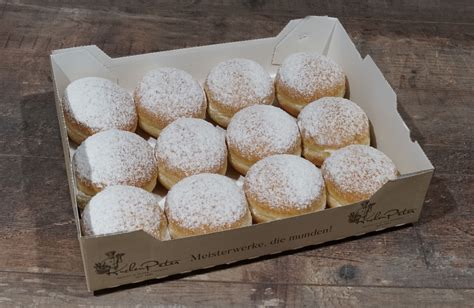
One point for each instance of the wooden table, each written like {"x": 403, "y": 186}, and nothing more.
{"x": 424, "y": 48}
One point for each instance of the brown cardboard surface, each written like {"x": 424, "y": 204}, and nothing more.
{"x": 131, "y": 257}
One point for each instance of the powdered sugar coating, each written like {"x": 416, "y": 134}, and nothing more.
{"x": 238, "y": 83}
{"x": 122, "y": 209}
{"x": 307, "y": 73}
{"x": 170, "y": 93}
{"x": 99, "y": 104}
{"x": 114, "y": 157}
{"x": 333, "y": 121}
{"x": 191, "y": 146}
{"x": 284, "y": 181}
{"x": 205, "y": 200}
{"x": 358, "y": 169}
{"x": 262, "y": 129}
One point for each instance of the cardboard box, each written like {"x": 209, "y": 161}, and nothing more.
{"x": 124, "y": 258}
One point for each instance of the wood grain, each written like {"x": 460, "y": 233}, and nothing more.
{"x": 58, "y": 290}
{"x": 424, "y": 48}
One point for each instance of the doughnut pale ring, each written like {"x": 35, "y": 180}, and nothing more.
{"x": 187, "y": 147}
{"x": 355, "y": 173}
{"x": 235, "y": 84}
{"x": 259, "y": 131}
{"x": 282, "y": 186}
{"x": 114, "y": 157}
{"x": 206, "y": 203}
{"x": 124, "y": 209}
{"x": 167, "y": 94}
{"x": 305, "y": 77}
{"x": 95, "y": 104}
{"x": 331, "y": 123}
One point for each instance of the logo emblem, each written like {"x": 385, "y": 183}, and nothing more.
{"x": 109, "y": 264}
{"x": 368, "y": 214}
{"x": 359, "y": 216}
{"x": 113, "y": 264}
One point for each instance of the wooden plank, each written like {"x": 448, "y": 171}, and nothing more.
{"x": 29, "y": 126}
{"x": 424, "y": 10}
{"x": 416, "y": 64}
{"x": 37, "y": 231}
{"x": 57, "y": 290}
{"x": 81, "y": 25}
{"x": 440, "y": 120}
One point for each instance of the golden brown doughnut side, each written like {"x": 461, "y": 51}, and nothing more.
{"x": 242, "y": 162}
{"x": 178, "y": 231}
{"x": 76, "y": 132}
{"x": 222, "y": 113}
{"x": 89, "y": 189}
{"x": 217, "y": 112}
{"x": 162, "y": 233}
{"x": 337, "y": 197}
{"x": 264, "y": 212}
{"x": 152, "y": 123}
{"x": 317, "y": 153}
{"x": 169, "y": 177}
{"x": 293, "y": 101}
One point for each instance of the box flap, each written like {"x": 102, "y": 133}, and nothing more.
{"x": 197, "y": 60}
{"x": 342, "y": 50}
{"x": 78, "y": 63}
{"x": 312, "y": 33}
{"x": 379, "y": 101}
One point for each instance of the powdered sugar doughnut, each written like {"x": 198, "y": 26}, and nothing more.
{"x": 305, "y": 77}
{"x": 235, "y": 84}
{"x": 94, "y": 104}
{"x": 124, "y": 209}
{"x": 206, "y": 203}
{"x": 331, "y": 123}
{"x": 187, "y": 147}
{"x": 167, "y": 94}
{"x": 283, "y": 186}
{"x": 355, "y": 173}
{"x": 260, "y": 131}
{"x": 114, "y": 157}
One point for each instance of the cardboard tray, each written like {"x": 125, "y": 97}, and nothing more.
{"x": 124, "y": 258}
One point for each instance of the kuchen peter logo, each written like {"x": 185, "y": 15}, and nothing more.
{"x": 109, "y": 264}
{"x": 366, "y": 214}
{"x": 113, "y": 264}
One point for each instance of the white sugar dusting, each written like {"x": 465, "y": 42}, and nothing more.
{"x": 333, "y": 121}
{"x": 240, "y": 83}
{"x": 170, "y": 93}
{"x": 99, "y": 104}
{"x": 307, "y": 73}
{"x": 359, "y": 169}
{"x": 114, "y": 157}
{"x": 262, "y": 129}
{"x": 284, "y": 181}
{"x": 206, "y": 200}
{"x": 122, "y": 209}
{"x": 192, "y": 146}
